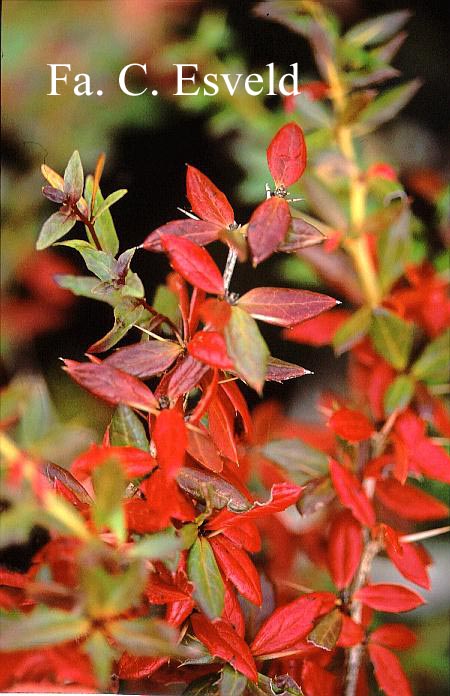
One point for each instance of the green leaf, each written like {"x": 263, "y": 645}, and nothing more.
{"x": 352, "y": 331}
{"x": 41, "y": 627}
{"x": 432, "y": 365}
{"x": 110, "y": 593}
{"x": 38, "y": 416}
{"x": 109, "y": 485}
{"x": 102, "y": 657}
{"x": 247, "y": 348}
{"x": 109, "y": 201}
{"x": 299, "y": 459}
{"x": 232, "y": 683}
{"x": 166, "y": 302}
{"x": 147, "y": 637}
{"x": 73, "y": 178}
{"x": 203, "y": 686}
{"x": 159, "y": 546}
{"x": 127, "y": 430}
{"x": 104, "y": 226}
{"x": 399, "y": 394}
{"x": 101, "y": 263}
{"x": 392, "y": 337}
{"x": 17, "y": 523}
{"x": 203, "y": 571}
{"x": 394, "y": 248}
{"x": 386, "y": 106}
{"x": 326, "y": 632}
{"x": 377, "y": 29}
{"x": 54, "y": 228}
{"x": 81, "y": 286}
{"x": 109, "y": 340}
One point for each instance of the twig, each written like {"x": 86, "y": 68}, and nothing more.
{"x": 355, "y": 653}
{"x": 229, "y": 269}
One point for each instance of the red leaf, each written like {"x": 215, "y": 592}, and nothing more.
{"x": 135, "y": 461}
{"x": 408, "y": 560}
{"x": 111, "y": 385}
{"x": 268, "y": 226}
{"x": 351, "y": 494}
{"x": 351, "y": 425}
{"x": 318, "y": 331}
{"x": 232, "y": 611}
{"x": 206, "y": 200}
{"x": 196, "y": 231}
{"x": 145, "y": 359}
{"x": 280, "y": 371}
{"x": 432, "y": 460}
{"x": 222, "y": 641}
{"x": 193, "y": 263}
{"x": 169, "y": 435}
{"x": 209, "y": 389}
{"x": 221, "y": 427}
{"x": 159, "y": 592}
{"x": 215, "y": 313}
{"x": 210, "y": 347}
{"x": 389, "y": 672}
{"x": 283, "y": 495}
{"x": 352, "y": 633}
{"x": 238, "y": 568}
{"x": 202, "y": 449}
{"x": 317, "y": 681}
{"x": 396, "y": 636}
{"x": 345, "y": 547}
{"x": 286, "y": 155}
{"x": 245, "y": 535}
{"x": 389, "y": 597}
{"x": 186, "y": 375}
{"x": 287, "y": 625}
{"x": 409, "y": 502}
{"x": 284, "y": 306}
{"x": 239, "y": 404}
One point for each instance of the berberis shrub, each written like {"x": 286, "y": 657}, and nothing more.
{"x": 174, "y": 543}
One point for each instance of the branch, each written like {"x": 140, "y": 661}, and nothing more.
{"x": 355, "y": 653}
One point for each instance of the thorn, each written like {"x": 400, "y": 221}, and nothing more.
{"x": 308, "y": 372}
{"x": 338, "y": 301}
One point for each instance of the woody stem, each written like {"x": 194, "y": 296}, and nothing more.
{"x": 355, "y": 653}
{"x": 229, "y": 269}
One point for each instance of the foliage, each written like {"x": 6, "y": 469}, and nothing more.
{"x": 149, "y": 570}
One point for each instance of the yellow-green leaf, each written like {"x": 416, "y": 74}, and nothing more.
{"x": 204, "y": 573}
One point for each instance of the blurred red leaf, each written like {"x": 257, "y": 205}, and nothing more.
{"x": 408, "y": 560}
{"x": 215, "y": 312}
{"x": 388, "y": 671}
{"x": 396, "y": 636}
{"x": 318, "y": 331}
{"x": 389, "y": 597}
{"x": 193, "y": 263}
{"x": 409, "y": 502}
{"x": 202, "y": 449}
{"x": 352, "y": 633}
{"x": 170, "y": 437}
{"x": 135, "y": 461}
{"x": 238, "y": 568}
{"x": 351, "y": 494}
{"x": 111, "y": 385}
{"x": 286, "y": 155}
{"x": 317, "y": 681}
{"x": 284, "y": 306}
{"x": 351, "y": 425}
{"x": 345, "y": 547}
{"x": 267, "y": 228}
{"x": 206, "y": 200}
